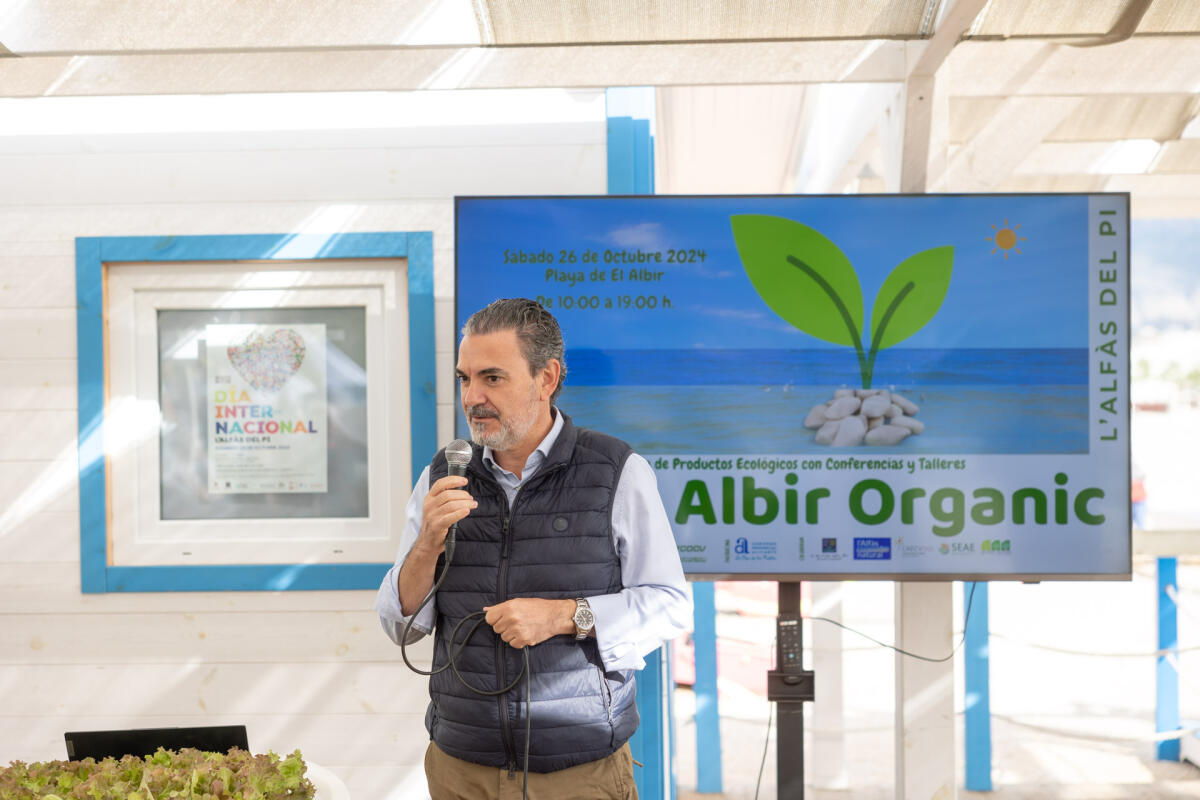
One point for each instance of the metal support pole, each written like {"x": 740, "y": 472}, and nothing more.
{"x": 789, "y": 685}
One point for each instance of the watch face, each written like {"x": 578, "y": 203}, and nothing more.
{"x": 584, "y": 618}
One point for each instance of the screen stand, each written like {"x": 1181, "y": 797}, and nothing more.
{"x": 790, "y": 686}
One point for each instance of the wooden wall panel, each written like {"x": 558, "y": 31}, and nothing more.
{"x": 53, "y": 588}
{"x": 179, "y": 690}
{"x": 327, "y": 739}
{"x": 44, "y": 385}
{"x": 37, "y": 282}
{"x": 41, "y": 538}
{"x": 184, "y": 637}
{"x": 312, "y": 670}
{"x": 29, "y": 487}
{"x": 37, "y": 333}
{"x": 49, "y": 230}
{"x": 38, "y": 435}
{"x": 345, "y": 175}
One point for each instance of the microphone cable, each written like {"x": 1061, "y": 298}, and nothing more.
{"x": 902, "y": 651}
{"x": 936, "y": 660}
{"x": 454, "y": 650}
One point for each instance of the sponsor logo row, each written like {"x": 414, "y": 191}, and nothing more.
{"x": 861, "y": 548}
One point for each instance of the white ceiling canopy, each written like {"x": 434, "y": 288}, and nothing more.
{"x": 997, "y": 95}
{"x": 96, "y": 27}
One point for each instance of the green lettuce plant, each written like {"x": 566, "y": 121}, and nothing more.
{"x": 807, "y": 280}
{"x": 166, "y": 775}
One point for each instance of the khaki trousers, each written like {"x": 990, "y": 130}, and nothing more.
{"x": 451, "y": 778}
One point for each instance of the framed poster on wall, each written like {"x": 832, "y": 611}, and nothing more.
{"x": 248, "y": 397}
{"x": 268, "y": 412}
{"x": 258, "y": 421}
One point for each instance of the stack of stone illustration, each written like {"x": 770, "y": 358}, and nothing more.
{"x": 864, "y": 416}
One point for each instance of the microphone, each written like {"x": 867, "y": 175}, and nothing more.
{"x": 458, "y": 456}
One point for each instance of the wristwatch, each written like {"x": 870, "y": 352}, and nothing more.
{"x": 585, "y": 620}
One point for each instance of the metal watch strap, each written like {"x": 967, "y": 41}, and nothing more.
{"x": 584, "y": 609}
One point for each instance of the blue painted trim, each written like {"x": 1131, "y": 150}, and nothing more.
{"x": 1166, "y": 694}
{"x": 630, "y": 156}
{"x": 422, "y": 377}
{"x": 653, "y": 779}
{"x": 670, "y": 664}
{"x": 260, "y": 247}
{"x": 646, "y": 744}
{"x": 89, "y": 334}
{"x": 708, "y": 713}
{"x": 91, "y": 254}
{"x": 643, "y": 157}
{"x": 977, "y": 703}
{"x": 621, "y": 179}
{"x": 246, "y": 577}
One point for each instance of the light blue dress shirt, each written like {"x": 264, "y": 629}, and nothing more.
{"x": 654, "y": 607}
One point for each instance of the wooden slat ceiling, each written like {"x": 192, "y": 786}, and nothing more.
{"x": 512, "y": 22}
{"x": 1107, "y": 117}
{"x": 1103, "y": 77}
{"x": 40, "y": 27}
{"x": 31, "y": 27}
{"x": 1072, "y": 18}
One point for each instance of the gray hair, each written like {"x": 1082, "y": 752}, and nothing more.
{"x": 537, "y": 332}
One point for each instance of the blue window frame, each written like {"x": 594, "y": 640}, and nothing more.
{"x": 91, "y": 254}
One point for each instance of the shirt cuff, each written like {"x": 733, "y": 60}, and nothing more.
{"x": 392, "y": 617}
{"x": 616, "y": 653}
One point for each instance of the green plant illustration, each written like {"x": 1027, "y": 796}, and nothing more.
{"x": 807, "y": 280}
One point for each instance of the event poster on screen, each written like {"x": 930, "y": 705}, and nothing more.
{"x": 846, "y": 386}
{"x": 267, "y": 409}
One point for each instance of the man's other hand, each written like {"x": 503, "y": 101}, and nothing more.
{"x": 526, "y": 621}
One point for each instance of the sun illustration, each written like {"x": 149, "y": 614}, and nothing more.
{"x": 1006, "y": 239}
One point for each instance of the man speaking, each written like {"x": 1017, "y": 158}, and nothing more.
{"x": 561, "y": 545}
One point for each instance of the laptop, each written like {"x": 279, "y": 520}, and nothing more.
{"x": 146, "y": 741}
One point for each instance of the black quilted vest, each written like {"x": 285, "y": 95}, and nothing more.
{"x": 555, "y": 542}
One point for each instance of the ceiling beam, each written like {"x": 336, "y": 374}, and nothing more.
{"x": 927, "y": 104}
{"x": 1125, "y": 26}
{"x": 737, "y": 139}
{"x": 1141, "y": 65}
{"x": 926, "y": 130}
{"x": 402, "y": 69}
{"x": 956, "y": 21}
{"x": 854, "y": 165}
{"x": 1019, "y": 125}
{"x": 845, "y": 116}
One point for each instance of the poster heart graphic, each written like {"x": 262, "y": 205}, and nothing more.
{"x": 267, "y": 361}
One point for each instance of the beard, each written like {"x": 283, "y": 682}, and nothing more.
{"x": 511, "y": 429}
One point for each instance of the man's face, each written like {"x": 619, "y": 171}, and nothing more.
{"x": 501, "y": 400}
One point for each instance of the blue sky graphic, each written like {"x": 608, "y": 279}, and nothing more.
{"x": 1035, "y": 298}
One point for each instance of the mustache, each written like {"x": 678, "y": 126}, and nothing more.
{"x": 482, "y": 412}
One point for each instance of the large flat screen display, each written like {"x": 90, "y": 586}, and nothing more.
{"x": 892, "y": 387}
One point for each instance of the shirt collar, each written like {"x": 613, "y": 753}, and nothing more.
{"x": 539, "y": 454}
